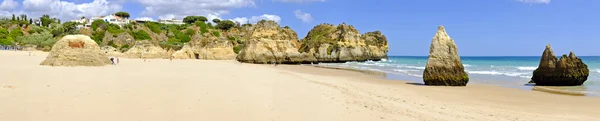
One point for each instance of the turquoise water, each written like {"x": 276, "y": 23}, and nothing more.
{"x": 505, "y": 71}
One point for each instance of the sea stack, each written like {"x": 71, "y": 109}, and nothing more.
{"x": 566, "y": 71}
{"x": 76, "y": 50}
{"x": 444, "y": 67}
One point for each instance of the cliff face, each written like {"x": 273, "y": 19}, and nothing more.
{"x": 210, "y": 47}
{"x": 120, "y": 39}
{"x": 145, "y": 49}
{"x": 329, "y": 43}
{"x": 269, "y": 43}
{"x": 566, "y": 71}
{"x": 444, "y": 67}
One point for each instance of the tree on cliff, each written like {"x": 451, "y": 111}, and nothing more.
{"x": 122, "y": 14}
{"x": 216, "y": 20}
{"x": 46, "y": 20}
{"x": 192, "y": 19}
{"x": 225, "y": 25}
{"x": 96, "y": 24}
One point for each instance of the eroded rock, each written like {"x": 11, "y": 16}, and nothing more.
{"x": 444, "y": 67}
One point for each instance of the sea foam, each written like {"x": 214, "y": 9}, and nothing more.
{"x": 526, "y": 68}
{"x": 497, "y": 73}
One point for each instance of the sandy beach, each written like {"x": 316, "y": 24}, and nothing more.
{"x": 193, "y": 90}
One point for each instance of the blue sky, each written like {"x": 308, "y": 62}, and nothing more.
{"x": 479, "y": 27}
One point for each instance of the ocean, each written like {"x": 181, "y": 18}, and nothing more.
{"x": 505, "y": 71}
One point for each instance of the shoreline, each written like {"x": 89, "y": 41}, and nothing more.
{"x": 228, "y": 90}
{"x": 547, "y": 89}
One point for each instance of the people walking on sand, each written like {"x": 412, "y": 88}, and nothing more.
{"x": 112, "y": 60}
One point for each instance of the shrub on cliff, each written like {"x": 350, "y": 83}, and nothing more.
{"x": 114, "y": 29}
{"x": 41, "y": 40}
{"x": 237, "y": 48}
{"x": 216, "y": 34}
{"x": 141, "y": 35}
{"x": 203, "y": 27}
{"x": 225, "y": 25}
{"x": 193, "y": 19}
{"x": 96, "y": 24}
{"x": 154, "y": 27}
{"x": 16, "y": 33}
{"x": 122, "y": 14}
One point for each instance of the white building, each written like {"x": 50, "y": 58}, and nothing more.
{"x": 173, "y": 21}
{"x": 109, "y": 19}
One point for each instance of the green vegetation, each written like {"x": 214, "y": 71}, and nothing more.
{"x": 203, "y": 27}
{"x": 216, "y": 20}
{"x": 114, "y": 29}
{"x": 96, "y": 24}
{"x": 122, "y": 14}
{"x": 98, "y": 36}
{"x": 154, "y": 27}
{"x": 5, "y": 39}
{"x": 16, "y": 33}
{"x": 194, "y": 19}
{"x": 190, "y": 32}
{"x": 216, "y": 33}
{"x": 317, "y": 36}
{"x": 237, "y": 48}
{"x": 225, "y": 25}
{"x": 141, "y": 35}
{"x": 40, "y": 40}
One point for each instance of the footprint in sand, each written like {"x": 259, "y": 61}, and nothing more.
{"x": 8, "y": 87}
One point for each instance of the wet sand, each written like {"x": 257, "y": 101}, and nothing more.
{"x": 192, "y": 90}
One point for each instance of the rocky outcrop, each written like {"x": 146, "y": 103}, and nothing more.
{"x": 76, "y": 50}
{"x": 145, "y": 49}
{"x": 185, "y": 52}
{"x": 329, "y": 43}
{"x": 211, "y": 47}
{"x": 269, "y": 43}
{"x": 444, "y": 67}
{"x": 111, "y": 51}
{"x": 566, "y": 71}
{"x": 119, "y": 40}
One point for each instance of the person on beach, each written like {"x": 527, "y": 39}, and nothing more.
{"x": 118, "y": 60}
{"x": 112, "y": 61}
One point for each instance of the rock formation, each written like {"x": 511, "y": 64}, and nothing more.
{"x": 145, "y": 49}
{"x": 118, "y": 40}
{"x": 185, "y": 52}
{"x": 111, "y": 51}
{"x": 444, "y": 67}
{"x": 329, "y": 43}
{"x": 211, "y": 47}
{"x": 566, "y": 71}
{"x": 76, "y": 50}
{"x": 270, "y": 43}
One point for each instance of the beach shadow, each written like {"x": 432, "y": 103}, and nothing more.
{"x": 416, "y": 84}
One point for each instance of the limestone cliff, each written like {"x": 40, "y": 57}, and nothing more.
{"x": 145, "y": 49}
{"x": 211, "y": 47}
{"x": 269, "y": 43}
{"x": 329, "y": 43}
{"x": 566, "y": 71}
{"x": 444, "y": 67}
{"x": 120, "y": 39}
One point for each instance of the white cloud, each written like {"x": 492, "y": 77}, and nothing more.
{"x": 299, "y": 1}
{"x": 535, "y": 1}
{"x": 145, "y": 19}
{"x": 69, "y": 10}
{"x": 180, "y": 8}
{"x": 254, "y": 19}
{"x": 8, "y": 5}
{"x": 305, "y": 17}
